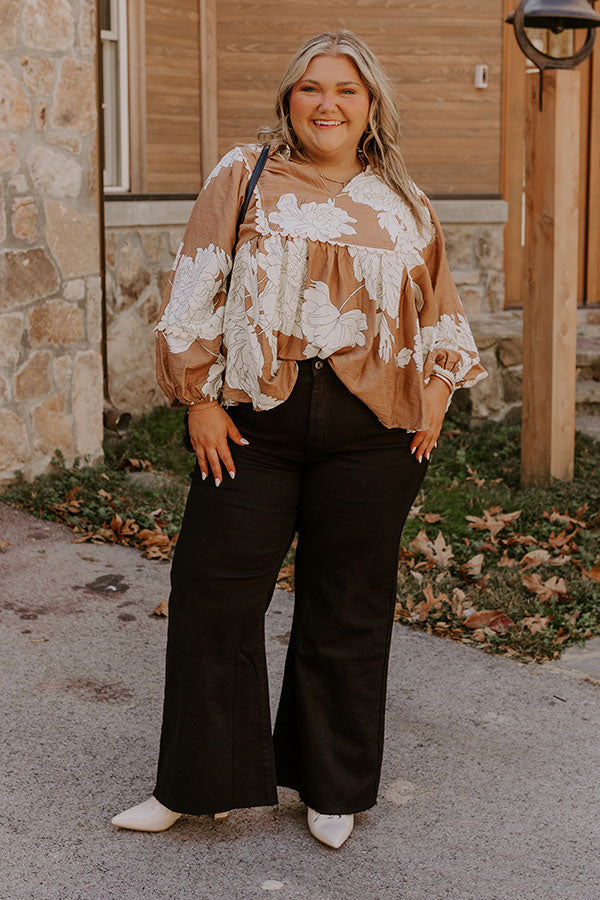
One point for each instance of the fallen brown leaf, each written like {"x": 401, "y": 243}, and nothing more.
{"x": 492, "y": 520}
{"x": 162, "y": 609}
{"x": 534, "y": 558}
{"x": 438, "y": 551}
{"x": 520, "y": 540}
{"x": 496, "y": 619}
{"x": 545, "y": 589}
{"x": 137, "y": 465}
{"x": 432, "y": 518}
{"x": 594, "y": 573}
{"x": 472, "y": 567}
{"x": 564, "y": 518}
{"x": 535, "y": 623}
{"x": 506, "y": 560}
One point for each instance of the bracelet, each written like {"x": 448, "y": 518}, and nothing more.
{"x": 200, "y": 405}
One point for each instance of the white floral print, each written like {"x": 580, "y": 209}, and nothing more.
{"x": 315, "y": 221}
{"x": 190, "y": 312}
{"x": 382, "y": 276}
{"x": 351, "y": 278}
{"x": 325, "y": 326}
{"x": 404, "y": 357}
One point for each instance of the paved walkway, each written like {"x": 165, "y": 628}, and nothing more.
{"x": 490, "y": 784}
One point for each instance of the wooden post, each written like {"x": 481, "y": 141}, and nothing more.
{"x": 550, "y": 304}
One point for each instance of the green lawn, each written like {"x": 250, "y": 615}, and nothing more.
{"x": 483, "y": 560}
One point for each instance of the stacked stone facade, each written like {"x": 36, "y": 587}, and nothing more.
{"x": 138, "y": 263}
{"x": 50, "y": 296}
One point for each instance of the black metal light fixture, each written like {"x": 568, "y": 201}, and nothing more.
{"x": 558, "y": 16}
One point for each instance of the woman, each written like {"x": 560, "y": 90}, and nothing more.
{"x": 317, "y": 381}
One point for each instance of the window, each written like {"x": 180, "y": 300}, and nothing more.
{"x": 115, "y": 107}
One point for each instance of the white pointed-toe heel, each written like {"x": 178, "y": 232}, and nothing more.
{"x": 330, "y": 830}
{"x": 150, "y": 815}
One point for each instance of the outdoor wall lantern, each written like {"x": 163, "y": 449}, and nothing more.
{"x": 557, "y": 15}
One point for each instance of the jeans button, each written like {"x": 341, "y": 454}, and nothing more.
{"x": 318, "y": 364}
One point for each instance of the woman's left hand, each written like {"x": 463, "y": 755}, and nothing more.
{"x": 436, "y": 397}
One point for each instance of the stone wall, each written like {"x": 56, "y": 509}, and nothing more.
{"x": 50, "y": 298}
{"x": 138, "y": 263}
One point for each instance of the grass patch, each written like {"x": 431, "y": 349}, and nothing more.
{"x": 524, "y": 585}
{"x": 529, "y": 583}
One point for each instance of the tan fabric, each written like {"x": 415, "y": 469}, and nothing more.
{"x": 346, "y": 277}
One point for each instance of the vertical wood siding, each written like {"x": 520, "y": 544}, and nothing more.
{"x": 172, "y": 97}
{"x": 452, "y": 131}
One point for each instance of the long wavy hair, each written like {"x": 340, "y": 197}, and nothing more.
{"x": 379, "y": 145}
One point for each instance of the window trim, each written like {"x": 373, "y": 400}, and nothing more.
{"x": 118, "y": 14}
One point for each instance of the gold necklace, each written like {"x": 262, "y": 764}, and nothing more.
{"x": 335, "y": 180}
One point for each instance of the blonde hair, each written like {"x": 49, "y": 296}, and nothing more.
{"x": 379, "y": 143}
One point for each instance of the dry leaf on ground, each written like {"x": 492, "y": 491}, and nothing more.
{"x": 137, "y": 465}
{"x": 496, "y": 619}
{"x": 563, "y": 518}
{"x": 438, "y": 551}
{"x": 154, "y": 544}
{"x": 506, "y": 560}
{"x": 473, "y": 566}
{"x": 432, "y": 518}
{"x": 535, "y": 623}
{"x": 534, "y": 558}
{"x": 553, "y": 587}
{"x": 492, "y": 520}
{"x": 162, "y": 609}
{"x": 594, "y": 573}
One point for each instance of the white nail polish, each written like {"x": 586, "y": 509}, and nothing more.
{"x": 412, "y": 449}
{"x": 232, "y": 474}
{"x": 204, "y": 475}
{"x": 217, "y": 482}
{"x": 427, "y": 455}
{"x": 244, "y": 441}
{"x": 419, "y": 458}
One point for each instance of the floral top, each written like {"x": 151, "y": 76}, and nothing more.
{"x": 350, "y": 278}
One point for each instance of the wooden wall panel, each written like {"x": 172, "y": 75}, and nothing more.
{"x": 172, "y": 97}
{"x": 452, "y": 131}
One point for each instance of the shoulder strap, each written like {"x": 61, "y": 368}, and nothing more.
{"x": 252, "y": 183}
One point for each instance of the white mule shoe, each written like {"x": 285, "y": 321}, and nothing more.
{"x": 330, "y": 830}
{"x": 151, "y": 815}
{"x": 147, "y": 816}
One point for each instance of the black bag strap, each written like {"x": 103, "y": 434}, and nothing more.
{"x": 260, "y": 164}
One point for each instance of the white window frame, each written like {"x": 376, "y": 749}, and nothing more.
{"x": 118, "y": 15}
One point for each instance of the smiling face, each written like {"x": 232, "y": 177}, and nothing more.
{"x": 329, "y": 109}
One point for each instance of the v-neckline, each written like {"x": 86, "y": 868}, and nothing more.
{"x": 318, "y": 177}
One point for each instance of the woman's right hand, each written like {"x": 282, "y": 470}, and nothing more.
{"x": 209, "y": 429}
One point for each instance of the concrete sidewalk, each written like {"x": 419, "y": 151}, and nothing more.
{"x": 490, "y": 783}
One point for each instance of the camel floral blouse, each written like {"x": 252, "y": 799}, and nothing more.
{"x": 349, "y": 278}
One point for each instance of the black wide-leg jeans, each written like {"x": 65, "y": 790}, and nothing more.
{"x": 321, "y": 464}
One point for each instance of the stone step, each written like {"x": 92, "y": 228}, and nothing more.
{"x": 587, "y": 397}
{"x": 589, "y": 425}
{"x": 588, "y": 353}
